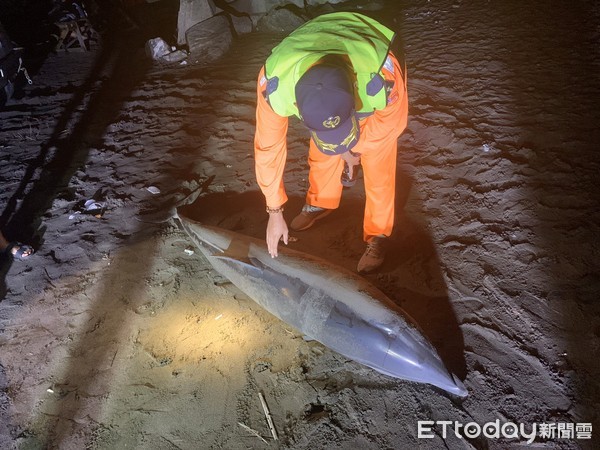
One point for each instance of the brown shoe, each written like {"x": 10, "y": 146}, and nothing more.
{"x": 373, "y": 256}
{"x": 308, "y": 217}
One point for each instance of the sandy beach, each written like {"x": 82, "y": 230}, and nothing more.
{"x": 118, "y": 333}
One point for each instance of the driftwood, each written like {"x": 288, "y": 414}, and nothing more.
{"x": 268, "y": 416}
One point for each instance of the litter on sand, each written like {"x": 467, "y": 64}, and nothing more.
{"x": 91, "y": 205}
{"x": 268, "y": 416}
{"x": 153, "y": 190}
{"x": 253, "y": 432}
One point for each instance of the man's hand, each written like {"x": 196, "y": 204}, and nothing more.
{"x": 277, "y": 230}
{"x": 353, "y": 160}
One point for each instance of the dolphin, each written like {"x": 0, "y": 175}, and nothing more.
{"x": 326, "y": 302}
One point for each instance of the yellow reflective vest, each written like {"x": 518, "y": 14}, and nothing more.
{"x": 363, "y": 40}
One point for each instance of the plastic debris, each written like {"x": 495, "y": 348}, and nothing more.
{"x": 94, "y": 208}
{"x": 153, "y": 190}
{"x": 91, "y": 205}
{"x": 157, "y": 48}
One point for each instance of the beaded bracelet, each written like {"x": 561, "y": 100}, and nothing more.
{"x": 270, "y": 210}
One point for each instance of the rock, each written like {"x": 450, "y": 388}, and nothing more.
{"x": 209, "y": 40}
{"x": 365, "y": 5}
{"x": 257, "y": 6}
{"x": 279, "y": 20}
{"x": 176, "y": 56}
{"x": 242, "y": 24}
{"x": 192, "y": 12}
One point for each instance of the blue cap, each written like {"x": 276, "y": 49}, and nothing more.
{"x": 325, "y": 100}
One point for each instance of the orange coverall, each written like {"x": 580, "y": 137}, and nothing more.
{"x": 377, "y": 146}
